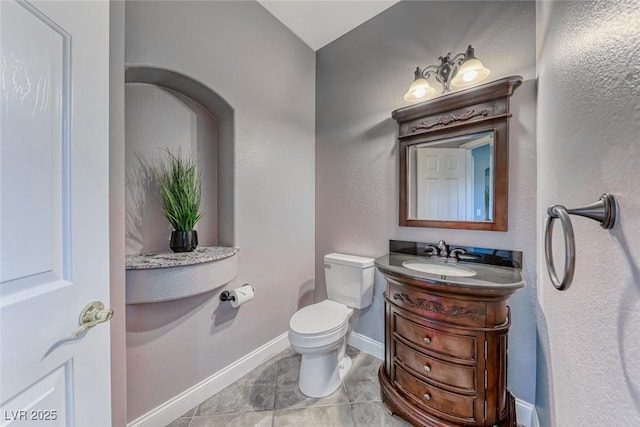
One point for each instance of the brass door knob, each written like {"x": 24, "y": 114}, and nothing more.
{"x": 92, "y": 314}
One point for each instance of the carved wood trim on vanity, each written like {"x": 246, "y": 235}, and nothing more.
{"x": 448, "y": 119}
{"x": 434, "y": 306}
{"x": 446, "y": 353}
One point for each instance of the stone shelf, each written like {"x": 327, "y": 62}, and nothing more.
{"x": 169, "y": 276}
{"x": 175, "y": 259}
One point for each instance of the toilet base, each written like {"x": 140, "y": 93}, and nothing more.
{"x": 322, "y": 372}
{"x": 321, "y": 375}
{"x": 344, "y": 366}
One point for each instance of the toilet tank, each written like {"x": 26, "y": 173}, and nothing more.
{"x": 349, "y": 279}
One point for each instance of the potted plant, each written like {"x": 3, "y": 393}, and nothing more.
{"x": 179, "y": 183}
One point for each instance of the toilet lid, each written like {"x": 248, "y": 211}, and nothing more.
{"x": 319, "y": 318}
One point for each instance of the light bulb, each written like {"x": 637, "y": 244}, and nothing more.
{"x": 469, "y": 76}
{"x": 419, "y": 89}
{"x": 472, "y": 71}
{"x": 419, "y": 92}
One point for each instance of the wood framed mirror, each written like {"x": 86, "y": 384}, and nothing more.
{"x": 454, "y": 159}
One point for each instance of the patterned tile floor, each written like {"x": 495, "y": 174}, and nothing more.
{"x": 269, "y": 396}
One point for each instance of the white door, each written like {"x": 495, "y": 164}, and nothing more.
{"x": 54, "y": 255}
{"x": 442, "y": 183}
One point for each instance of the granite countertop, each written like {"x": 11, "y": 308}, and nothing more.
{"x": 200, "y": 255}
{"x": 487, "y": 276}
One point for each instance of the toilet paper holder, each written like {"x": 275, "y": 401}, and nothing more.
{"x": 226, "y": 295}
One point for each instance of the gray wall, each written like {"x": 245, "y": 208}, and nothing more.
{"x": 361, "y": 78}
{"x": 160, "y": 119}
{"x": 588, "y": 129}
{"x": 116, "y": 214}
{"x": 266, "y": 74}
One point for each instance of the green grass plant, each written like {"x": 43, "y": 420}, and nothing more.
{"x": 179, "y": 182}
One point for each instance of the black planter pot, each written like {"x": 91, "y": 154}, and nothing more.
{"x": 183, "y": 241}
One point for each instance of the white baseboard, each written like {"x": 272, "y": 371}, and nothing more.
{"x": 534, "y": 420}
{"x": 526, "y": 414}
{"x": 366, "y": 345}
{"x": 178, "y": 405}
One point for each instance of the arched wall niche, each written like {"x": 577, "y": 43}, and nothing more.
{"x": 212, "y": 119}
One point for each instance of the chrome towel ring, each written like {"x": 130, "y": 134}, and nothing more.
{"x": 604, "y": 211}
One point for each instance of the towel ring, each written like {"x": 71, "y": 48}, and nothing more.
{"x": 604, "y": 211}
{"x": 560, "y": 212}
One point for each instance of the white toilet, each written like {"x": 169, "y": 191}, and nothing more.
{"x": 318, "y": 331}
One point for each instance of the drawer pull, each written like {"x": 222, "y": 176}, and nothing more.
{"x": 427, "y": 340}
{"x": 427, "y": 396}
{"x": 427, "y": 368}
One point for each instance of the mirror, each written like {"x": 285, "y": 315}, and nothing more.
{"x": 451, "y": 179}
{"x": 454, "y": 159}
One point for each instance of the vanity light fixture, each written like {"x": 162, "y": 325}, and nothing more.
{"x": 462, "y": 70}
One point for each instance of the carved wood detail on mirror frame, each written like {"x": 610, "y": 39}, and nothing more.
{"x": 454, "y": 155}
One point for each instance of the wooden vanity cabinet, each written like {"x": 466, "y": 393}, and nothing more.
{"x": 446, "y": 354}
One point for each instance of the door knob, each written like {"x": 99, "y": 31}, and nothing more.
{"x": 92, "y": 314}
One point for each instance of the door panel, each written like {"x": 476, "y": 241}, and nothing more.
{"x": 34, "y": 145}
{"x": 36, "y": 401}
{"x": 442, "y": 180}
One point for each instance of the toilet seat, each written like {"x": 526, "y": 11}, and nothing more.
{"x": 320, "y": 318}
{"x": 319, "y": 324}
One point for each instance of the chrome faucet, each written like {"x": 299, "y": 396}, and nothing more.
{"x": 454, "y": 255}
{"x": 442, "y": 252}
{"x": 433, "y": 251}
{"x": 443, "y": 249}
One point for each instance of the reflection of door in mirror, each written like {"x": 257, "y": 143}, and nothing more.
{"x": 442, "y": 183}
{"x": 487, "y": 194}
{"x": 447, "y": 179}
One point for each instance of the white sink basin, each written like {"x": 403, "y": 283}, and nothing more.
{"x": 439, "y": 269}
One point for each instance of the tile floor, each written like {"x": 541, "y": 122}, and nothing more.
{"x": 269, "y": 396}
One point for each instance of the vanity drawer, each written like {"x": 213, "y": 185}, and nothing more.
{"x": 445, "y": 404}
{"x": 441, "y": 309}
{"x": 450, "y": 374}
{"x": 435, "y": 340}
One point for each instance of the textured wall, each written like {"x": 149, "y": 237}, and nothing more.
{"x": 588, "y": 130}
{"x": 117, "y": 214}
{"x": 266, "y": 74}
{"x": 361, "y": 78}
{"x": 159, "y": 119}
